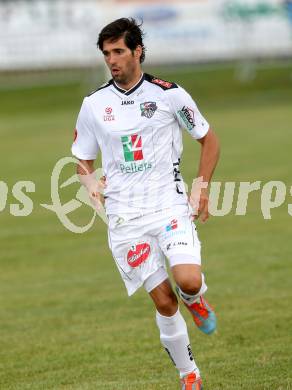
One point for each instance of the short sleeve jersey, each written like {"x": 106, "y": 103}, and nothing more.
{"x": 139, "y": 134}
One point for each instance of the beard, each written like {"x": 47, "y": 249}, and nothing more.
{"x": 124, "y": 77}
{"x": 121, "y": 79}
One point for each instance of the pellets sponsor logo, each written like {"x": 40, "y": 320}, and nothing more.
{"x": 148, "y": 109}
{"x": 133, "y": 155}
{"x": 134, "y": 167}
{"x": 127, "y": 102}
{"x": 108, "y": 117}
{"x": 187, "y": 116}
{"x": 172, "y": 225}
{"x": 138, "y": 254}
{"x": 132, "y": 147}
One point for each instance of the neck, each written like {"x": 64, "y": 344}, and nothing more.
{"x": 131, "y": 83}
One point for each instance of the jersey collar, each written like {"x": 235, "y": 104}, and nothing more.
{"x": 134, "y": 88}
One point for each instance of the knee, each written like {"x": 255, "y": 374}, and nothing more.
{"x": 167, "y": 305}
{"x": 190, "y": 284}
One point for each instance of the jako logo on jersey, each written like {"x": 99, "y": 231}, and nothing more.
{"x": 108, "y": 117}
{"x": 172, "y": 225}
{"x": 187, "y": 116}
{"x": 148, "y": 109}
{"x": 132, "y": 146}
{"x": 127, "y": 102}
{"x": 137, "y": 254}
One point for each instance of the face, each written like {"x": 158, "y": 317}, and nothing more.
{"x": 122, "y": 62}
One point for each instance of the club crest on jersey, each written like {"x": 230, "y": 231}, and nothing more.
{"x": 108, "y": 117}
{"x": 138, "y": 254}
{"x": 172, "y": 225}
{"x": 148, "y": 109}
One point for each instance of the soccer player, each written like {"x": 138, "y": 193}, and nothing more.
{"x": 136, "y": 121}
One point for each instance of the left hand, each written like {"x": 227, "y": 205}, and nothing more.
{"x": 200, "y": 205}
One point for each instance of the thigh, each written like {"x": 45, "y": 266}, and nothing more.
{"x": 136, "y": 254}
{"x": 179, "y": 241}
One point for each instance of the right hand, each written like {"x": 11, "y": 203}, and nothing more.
{"x": 95, "y": 192}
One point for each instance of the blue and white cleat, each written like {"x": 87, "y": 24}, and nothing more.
{"x": 203, "y": 315}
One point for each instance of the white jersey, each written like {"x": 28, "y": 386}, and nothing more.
{"x": 139, "y": 133}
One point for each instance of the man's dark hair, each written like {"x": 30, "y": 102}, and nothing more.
{"x": 127, "y": 28}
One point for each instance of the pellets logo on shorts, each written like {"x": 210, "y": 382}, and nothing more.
{"x": 137, "y": 254}
{"x": 172, "y": 225}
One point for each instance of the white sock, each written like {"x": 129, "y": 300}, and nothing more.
{"x": 190, "y": 299}
{"x": 175, "y": 339}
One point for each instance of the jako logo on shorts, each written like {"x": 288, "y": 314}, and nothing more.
{"x": 172, "y": 225}
{"x": 132, "y": 147}
{"x": 137, "y": 254}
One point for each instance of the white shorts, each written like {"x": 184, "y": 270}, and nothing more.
{"x": 139, "y": 246}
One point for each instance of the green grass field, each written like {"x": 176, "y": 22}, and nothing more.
{"x": 65, "y": 319}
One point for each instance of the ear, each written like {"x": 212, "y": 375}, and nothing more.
{"x": 138, "y": 52}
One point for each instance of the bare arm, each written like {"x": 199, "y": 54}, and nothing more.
{"x": 85, "y": 167}
{"x": 85, "y": 171}
{"x": 210, "y": 151}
